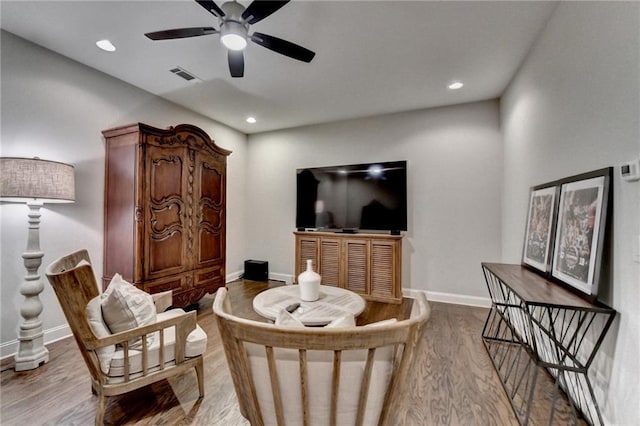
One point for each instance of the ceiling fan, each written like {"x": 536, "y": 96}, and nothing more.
{"x": 234, "y": 20}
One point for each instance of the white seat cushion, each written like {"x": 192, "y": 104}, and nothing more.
{"x": 100, "y": 329}
{"x": 196, "y": 345}
{"x": 320, "y": 367}
{"x": 344, "y": 321}
{"x": 382, "y": 323}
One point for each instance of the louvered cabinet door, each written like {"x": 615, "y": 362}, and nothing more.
{"x": 306, "y": 248}
{"x": 330, "y": 261}
{"x": 356, "y": 262}
{"x": 385, "y": 269}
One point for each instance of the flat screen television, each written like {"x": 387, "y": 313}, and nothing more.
{"x": 371, "y": 196}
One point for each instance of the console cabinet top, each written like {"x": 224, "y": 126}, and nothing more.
{"x": 534, "y": 289}
{"x": 357, "y": 235}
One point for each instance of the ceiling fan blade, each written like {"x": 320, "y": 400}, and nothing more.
{"x": 181, "y": 33}
{"x": 258, "y": 10}
{"x": 211, "y": 7}
{"x": 283, "y": 47}
{"x": 236, "y": 63}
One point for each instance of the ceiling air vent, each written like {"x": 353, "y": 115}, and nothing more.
{"x": 181, "y": 72}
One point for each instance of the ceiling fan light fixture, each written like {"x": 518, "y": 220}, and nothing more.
{"x": 233, "y": 35}
{"x": 233, "y": 41}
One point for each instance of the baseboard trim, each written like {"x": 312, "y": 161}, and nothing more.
{"x": 287, "y": 278}
{"x": 233, "y": 276}
{"x": 10, "y": 348}
{"x": 455, "y": 299}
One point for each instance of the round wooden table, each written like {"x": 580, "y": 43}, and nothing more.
{"x": 333, "y": 303}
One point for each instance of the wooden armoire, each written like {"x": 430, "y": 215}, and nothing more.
{"x": 165, "y": 210}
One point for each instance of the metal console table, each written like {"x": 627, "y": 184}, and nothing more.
{"x": 536, "y": 324}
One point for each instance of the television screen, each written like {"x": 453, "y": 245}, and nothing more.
{"x": 369, "y": 196}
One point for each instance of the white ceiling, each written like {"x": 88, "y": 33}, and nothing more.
{"x": 372, "y": 57}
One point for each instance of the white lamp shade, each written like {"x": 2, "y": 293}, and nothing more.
{"x": 25, "y": 179}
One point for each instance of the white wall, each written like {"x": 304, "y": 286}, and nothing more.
{"x": 574, "y": 107}
{"x": 55, "y": 109}
{"x": 454, "y": 175}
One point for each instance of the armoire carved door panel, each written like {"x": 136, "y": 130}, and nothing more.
{"x": 166, "y": 204}
{"x": 209, "y": 243}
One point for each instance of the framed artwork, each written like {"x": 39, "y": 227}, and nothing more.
{"x": 540, "y": 225}
{"x": 582, "y": 213}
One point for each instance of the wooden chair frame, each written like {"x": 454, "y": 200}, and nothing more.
{"x": 406, "y": 336}
{"x": 75, "y": 285}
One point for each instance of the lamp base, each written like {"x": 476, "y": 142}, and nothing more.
{"x": 31, "y": 351}
{"x": 31, "y": 354}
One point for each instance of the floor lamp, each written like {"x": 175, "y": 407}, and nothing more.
{"x": 33, "y": 181}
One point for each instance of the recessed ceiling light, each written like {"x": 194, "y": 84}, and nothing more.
{"x": 106, "y": 45}
{"x": 456, "y": 85}
{"x": 251, "y": 120}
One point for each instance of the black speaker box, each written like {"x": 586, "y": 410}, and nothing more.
{"x": 256, "y": 270}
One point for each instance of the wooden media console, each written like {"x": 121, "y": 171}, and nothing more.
{"x": 368, "y": 264}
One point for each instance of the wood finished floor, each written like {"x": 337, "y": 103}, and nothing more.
{"x": 454, "y": 383}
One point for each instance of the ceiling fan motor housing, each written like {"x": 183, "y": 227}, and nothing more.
{"x": 233, "y": 30}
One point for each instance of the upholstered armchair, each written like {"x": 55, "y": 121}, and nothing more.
{"x": 143, "y": 345}
{"x": 287, "y": 375}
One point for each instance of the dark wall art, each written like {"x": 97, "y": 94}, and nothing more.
{"x": 580, "y": 232}
{"x": 566, "y": 227}
{"x": 540, "y": 222}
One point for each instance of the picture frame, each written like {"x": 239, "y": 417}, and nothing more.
{"x": 580, "y": 230}
{"x": 540, "y": 227}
